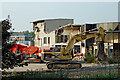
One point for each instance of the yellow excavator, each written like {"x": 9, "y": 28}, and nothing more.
{"x": 64, "y": 58}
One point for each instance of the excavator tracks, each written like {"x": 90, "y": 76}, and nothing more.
{"x": 63, "y": 65}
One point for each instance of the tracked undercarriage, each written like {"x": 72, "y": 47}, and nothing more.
{"x": 63, "y": 64}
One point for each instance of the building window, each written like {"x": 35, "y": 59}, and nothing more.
{"x": 41, "y": 41}
{"x": 66, "y": 39}
{"x": 37, "y": 29}
{"x": 61, "y": 38}
{"x": 41, "y": 24}
{"x": 76, "y": 49}
{"x": 45, "y": 40}
{"x": 58, "y": 39}
{"x": 48, "y": 40}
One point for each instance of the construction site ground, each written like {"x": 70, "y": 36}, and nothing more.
{"x": 42, "y": 71}
{"x": 43, "y": 67}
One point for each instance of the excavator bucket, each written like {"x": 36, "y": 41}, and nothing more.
{"x": 101, "y": 36}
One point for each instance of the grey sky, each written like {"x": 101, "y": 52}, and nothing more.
{"x": 82, "y": 12}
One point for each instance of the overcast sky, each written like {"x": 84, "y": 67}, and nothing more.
{"x": 22, "y": 13}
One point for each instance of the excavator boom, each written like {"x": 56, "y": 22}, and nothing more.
{"x": 83, "y": 36}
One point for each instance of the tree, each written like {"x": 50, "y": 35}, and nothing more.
{"x": 9, "y": 59}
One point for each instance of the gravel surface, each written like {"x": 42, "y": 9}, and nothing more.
{"x": 32, "y": 66}
{"x": 42, "y": 67}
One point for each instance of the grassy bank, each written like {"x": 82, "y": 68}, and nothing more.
{"x": 58, "y": 74}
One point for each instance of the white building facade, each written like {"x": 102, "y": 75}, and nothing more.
{"x": 44, "y": 31}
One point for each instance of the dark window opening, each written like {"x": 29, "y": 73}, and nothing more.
{"x": 66, "y": 38}
{"x": 61, "y": 38}
{"x": 45, "y": 40}
{"x": 76, "y": 49}
{"x": 48, "y": 40}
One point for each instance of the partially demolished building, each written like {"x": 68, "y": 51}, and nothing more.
{"x": 57, "y": 32}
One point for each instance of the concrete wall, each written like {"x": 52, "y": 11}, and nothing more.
{"x": 54, "y": 24}
{"x": 113, "y": 36}
{"x": 39, "y": 36}
{"x": 108, "y": 26}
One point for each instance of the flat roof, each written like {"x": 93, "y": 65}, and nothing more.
{"x": 50, "y": 20}
{"x": 69, "y": 26}
{"x": 105, "y": 22}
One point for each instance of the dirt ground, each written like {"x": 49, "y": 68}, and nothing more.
{"x": 42, "y": 67}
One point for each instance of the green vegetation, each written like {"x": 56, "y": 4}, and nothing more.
{"x": 58, "y": 74}
{"x": 9, "y": 59}
{"x": 113, "y": 60}
{"x": 89, "y": 58}
{"x": 110, "y": 76}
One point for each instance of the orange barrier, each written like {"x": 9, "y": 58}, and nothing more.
{"x": 81, "y": 55}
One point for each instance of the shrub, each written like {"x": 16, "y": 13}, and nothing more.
{"x": 89, "y": 58}
{"x": 113, "y": 60}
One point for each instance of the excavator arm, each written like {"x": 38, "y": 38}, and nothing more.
{"x": 83, "y": 36}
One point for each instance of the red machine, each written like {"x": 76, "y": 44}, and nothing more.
{"x": 31, "y": 53}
